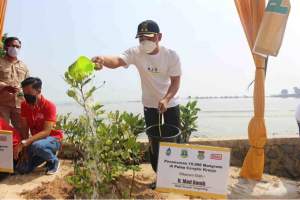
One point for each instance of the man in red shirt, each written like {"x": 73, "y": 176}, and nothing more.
{"x": 39, "y": 116}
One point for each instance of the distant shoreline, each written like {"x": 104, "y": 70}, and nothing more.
{"x": 245, "y": 97}
{"x": 191, "y": 98}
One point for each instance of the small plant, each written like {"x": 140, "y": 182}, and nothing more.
{"x": 105, "y": 143}
{"x": 136, "y": 123}
{"x": 189, "y": 116}
{"x": 2, "y": 51}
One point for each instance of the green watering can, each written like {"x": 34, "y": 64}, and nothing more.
{"x": 81, "y": 68}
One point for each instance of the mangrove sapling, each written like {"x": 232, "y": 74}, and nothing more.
{"x": 108, "y": 142}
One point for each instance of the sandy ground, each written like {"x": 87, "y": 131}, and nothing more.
{"x": 12, "y": 186}
{"x": 270, "y": 187}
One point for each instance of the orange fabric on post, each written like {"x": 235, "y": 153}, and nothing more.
{"x": 2, "y": 15}
{"x": 251, "y": 13}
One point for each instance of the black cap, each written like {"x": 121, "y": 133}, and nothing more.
{"x": 148, "y": 28}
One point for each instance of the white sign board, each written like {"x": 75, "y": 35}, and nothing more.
{"x": 6, "y": 151}
{"x": 201, "y": 171}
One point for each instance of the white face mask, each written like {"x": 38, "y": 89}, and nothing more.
{"x": 147, "y": 46}
{"x": 13, "y": 51}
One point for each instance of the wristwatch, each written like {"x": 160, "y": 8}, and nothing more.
{"x": 24, "y": 142}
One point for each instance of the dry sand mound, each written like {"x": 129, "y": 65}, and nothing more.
{"x": 13, "y": 186}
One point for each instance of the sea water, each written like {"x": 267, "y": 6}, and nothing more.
{"x": 222, "y": 118}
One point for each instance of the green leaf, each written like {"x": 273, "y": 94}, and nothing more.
{"x": 189, "y": 116}
{"x": 71, "y": 93}
{"x": 90, "y": 92}
{"x": 86, "y": 81}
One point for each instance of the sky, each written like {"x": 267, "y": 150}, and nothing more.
{"x": 207, "y": 35}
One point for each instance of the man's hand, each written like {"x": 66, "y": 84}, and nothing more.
{"x": 163, "y": 105}
{"x": 111, "y": 62}
{"x": 16, "y": 151}
{"x": 27, "y": 142}
{"x": 11, "y": 89}
{"x": 99, "y": 61}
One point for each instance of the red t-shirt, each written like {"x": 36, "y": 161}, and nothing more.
{"x": 37, "y": 115}
{"x": 16, "y": 135}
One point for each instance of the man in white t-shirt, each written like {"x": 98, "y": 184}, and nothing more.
{"x": 297, "y": 116}
{"x": 159, "y": 70}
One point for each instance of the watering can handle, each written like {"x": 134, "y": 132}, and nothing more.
{"x": 160, "y": 118}
{"x": 99, "y": 62}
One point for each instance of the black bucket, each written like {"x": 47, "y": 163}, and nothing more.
{"x": 169, "y": 133}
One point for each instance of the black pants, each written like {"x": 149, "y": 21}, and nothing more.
{"x": 299, "y": 126}
{"x": 171, "y": 117}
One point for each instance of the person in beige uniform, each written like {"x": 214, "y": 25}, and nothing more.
{"x": 12, "y": 72}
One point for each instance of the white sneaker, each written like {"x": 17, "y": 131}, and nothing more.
{"x": 53, "y": 169}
